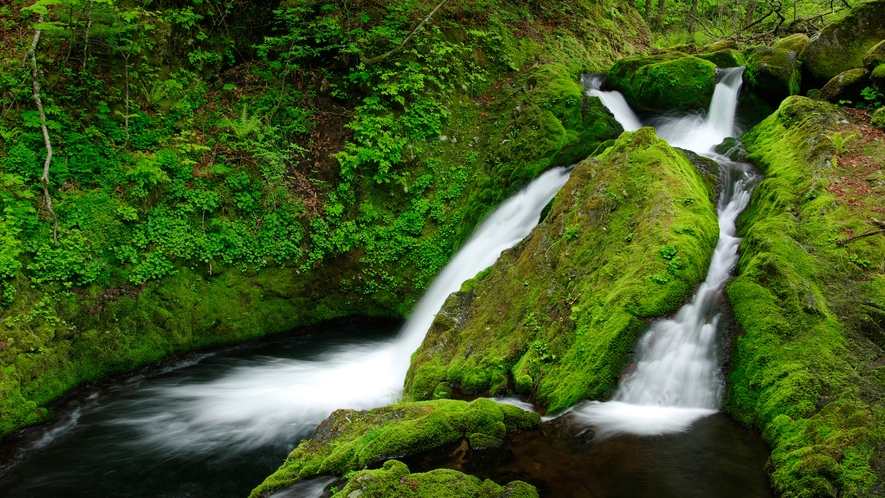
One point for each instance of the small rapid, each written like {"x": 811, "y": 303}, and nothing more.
{"x": 677, "y": 379}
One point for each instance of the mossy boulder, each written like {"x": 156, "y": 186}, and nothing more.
{"x": 723, "y": 44}
{"x": 352, "y": 439}
{"x": 772, "y": 73}
{"x": 846, "y": 86}
{"x": 877, "y": 77}
{"x": 665, "y": 82}
{"x": 556, "y": 316}
{"x": 393, "y": 480}
{"x": 808, "y": 368}
{"x": 794, "y": 43}
{"x": 875, "y": 56}
{"x": 725, "y": 58}
{"x": 878, "y": 119}
{"x": 841, "y": 45}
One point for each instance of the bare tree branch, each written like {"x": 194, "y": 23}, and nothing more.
{"x": 45, "y": 178}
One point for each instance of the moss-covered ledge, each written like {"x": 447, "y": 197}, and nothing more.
{"x": 351, "y": 440}
{"x": 627, "y": 238}
{"x": 808, "y": 369}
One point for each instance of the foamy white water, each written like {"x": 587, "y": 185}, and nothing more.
{"x": 255, "y": 403}
{"x": 677, "y": 379}
{"x": 613, "y": 101}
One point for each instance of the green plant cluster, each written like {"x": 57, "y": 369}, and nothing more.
{"x": 350, "y": 440}
{"x": 555, "y": 317}
{"x": 806, "y": 369}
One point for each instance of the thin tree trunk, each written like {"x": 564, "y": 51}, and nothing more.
{"x": 86, "y": 37}
{"x": 648, "y": 4}
{"x": 751, "y": 13}
{"x": 693, "y": 17}
{"x": 39, "y": 102}
{"x": 659, "y": 19}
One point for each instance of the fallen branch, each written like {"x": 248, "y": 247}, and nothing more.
{"x": 874, "y": 232}
{"x": 403, "y": 44}
{"x": 45, "y": 178}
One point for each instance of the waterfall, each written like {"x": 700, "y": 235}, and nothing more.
{"x": 676, "y": 379}
{"x": 256, "y": 403}
{"x": 613, "y": 101}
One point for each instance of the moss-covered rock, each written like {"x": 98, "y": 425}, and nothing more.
{"x": 722, "y": 44}
{"x": 772, "y": 73}
{"x": 808, "y": 369}
{"x": 841, "y": 45}
{"x": 351, "y": 439}
{"x": 874, "y": 56}
{"x": 725, "y": 58}
{"x": 627, "y": 238}
{"x": 877, "y": 76}
{"x": 794, "y": 43}
{"x": 846, "y": 86}
{"x": 393, "y": 480}
{"x": 666, "y": 82}
{"x": 878, "y": 119}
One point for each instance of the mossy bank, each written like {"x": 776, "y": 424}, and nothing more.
{"x": 809, "y": 298}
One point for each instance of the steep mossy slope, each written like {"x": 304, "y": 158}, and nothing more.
{"x": 350, "y": 440}
{"x": 627, "y": 238}
{"x": 221, "y": 191}
{"x": 809, "y": 368}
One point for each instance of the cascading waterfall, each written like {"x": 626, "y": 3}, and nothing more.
{"x": 256, "y": 403}
{"x": 613, "y": 101}
{"x": 676, "y": 379}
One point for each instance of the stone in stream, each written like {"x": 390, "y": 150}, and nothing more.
{"x": 772, "y": 73}
{"x": 664, "y": 82}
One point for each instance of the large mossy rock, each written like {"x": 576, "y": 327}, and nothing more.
{"x": 393, "y": 480}
{"x": 725, "y": 58}
{"x": 875, "y": 56}
{"x": 846, "y": 86}
{"x": 662, "y": 83}
{"x": 626, "y": 239}
{"x": 809, "y": 369}
{"x": 794, "y": 43}
{"x": 352, "y": 439}
{"x": 772, "y": 73}
{"x": 877, "y": 77}
{"x": 841, "y": 45}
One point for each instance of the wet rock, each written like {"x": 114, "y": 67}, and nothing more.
{"x": 845, "y": 86}
{"x": 875, "y": 56}
{"x": 877, "y": 77}
{"x": 772, "y": 73}
{"x": 841, "y": 45}
{"x": 731, "y": 148}
{"x": 793, "y": 43}
{"x": 666, "y": 82}
{"x": 483, "y": 441}
{"x": 878, "y": 120}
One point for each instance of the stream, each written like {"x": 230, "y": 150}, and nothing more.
{"x": 216, "y": 424}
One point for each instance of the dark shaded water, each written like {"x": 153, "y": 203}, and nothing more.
{"x": 716, "y": 457}
{"x": 189, "y": 429}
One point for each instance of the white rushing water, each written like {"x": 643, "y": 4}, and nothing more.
{"x": 259, "y": 401}
{"x": 676, "y": 379}
{"x": 613, "y": 101}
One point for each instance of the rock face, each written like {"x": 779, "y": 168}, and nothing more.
{"x": 845, "y": 86}
{"x": 841, "y": 45}
{"x": 352, "y": 439}
{"x": 875, "y": 56}
{"x": 725, "y": 58}
{"x": 772, "y": 73}
{"x": 809, "y": 368}
{"x": 556, "y": 316}
{"x": 666, "y": 82}
{"x": 795, "y": 43}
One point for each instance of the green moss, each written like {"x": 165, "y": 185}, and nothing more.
{"x": 795, "y": 43}
{"x": 772, "y": 73}
{"x": 663, "y": 83}
{"x": 804, "y": 370}
{"x": 556, "y": 315}
{"x": 841, "y": 45}
{"x": 351, "y": 440}
{"x": 393, "y": 480}
{"x": 878, "y": 119}
{"x": 725, "y": 58}
{"x": 845, "y": 86}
